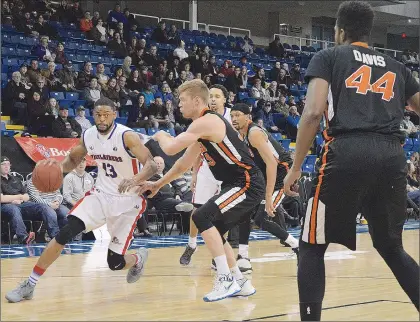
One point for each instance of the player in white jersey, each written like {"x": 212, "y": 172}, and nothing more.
{"x": 118, "y": 152}
{"x": 204, "y": 185}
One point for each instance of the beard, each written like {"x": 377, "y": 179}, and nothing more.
{"x": 105, "y": 130}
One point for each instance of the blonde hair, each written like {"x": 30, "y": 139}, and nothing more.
{"x": 196, "y": 87}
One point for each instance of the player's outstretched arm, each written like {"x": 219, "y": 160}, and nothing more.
{"x": 173, "y": 145}
{"x": 75, "y": 157}
{"x": 258, "y": 139}
{"x": 316, "y": 97}
{"x": 178, "y": 169}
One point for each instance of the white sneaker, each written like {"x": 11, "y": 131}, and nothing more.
{"x": 246, "y": 288}
{"x": 244, "y": 264}
{"x": 224, "y": 286}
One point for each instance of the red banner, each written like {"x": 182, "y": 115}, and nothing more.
{"x": 44, "y": 148}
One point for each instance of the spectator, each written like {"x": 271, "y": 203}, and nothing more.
{"x": 283, "y": 82}
{"x": 14, "y": 99}
{"x": 292, "y": 101}
{"x": 92, "y": 93}
{"x": 190, "y": 75}
{"x": 282, "y": 107}
{"x": 64, "y": 126}
{"x": 124, "y": 33}
{"x": 66, "y": 77}
{"x": 212, "y": 69}
{"x": 42, "y": 51}
{"x": 112, "y": 91}
{"x": 56, "y": 212}
{"x": 15, "y": 204}
{"x": 100, "y": 75}
{"x": 275, "y": 71}
{"x": 24, "y": 77}
{"x": 138, "y": 58}
{"x": 98, "y": 33}
{"x": 126, "y": 96}
{"x": 60, "y": 56}
{"x": 41, "y": 88}
{"x": 407, "y": 126}
{"x": 43, "y": 28}
{"x": 86, "y": 23}
{"x": 117, "y": 45}
{"x": 33, "y": 71}
{"x": 131, "y": 21}
{"x": 166, "y": 92}
{"x": 273, "y": 93}
{"x": 301, "y": 104}
{"x": 164, "y": 200}
{"x": 207, "y": 80}
{"x": 295, "y": 75}
{"x": 180, "y": 51}
{"x": 36, "y": 108}
{"x": 152, "y": 59}
{"x": 233, "y": 82}
{"x": 267, "y": 117}
{"x": 52, "y": 107}
{"x": 247, "y": 47}
{"x": 75, "y": 13}
{"x": 243, "y": 79}
{"x": 138, "y": 114}
{"x": 53, "y": 82}
{"x": 118, "y": 73}
{"x": 76, "y": 184}
{"x": 170, "y": 79}
{"x": 226, "y": 70}
{"x": 173, "y": 36}
{"x": 159, "y": 34}
{"x": 292, "y": 123}
{"x": 81, "y": 119}
{"x": 132, "y": 47}
{"x": 160, "y": 74}
{"x": 115, "y": 16}
{"x": 96, "y": 17}
{"x": 136, "y": 83}
{"x": 26, "y": 25}
{"x": 126, "y": 66}
{"x": 148, "y": 95}
{"x": 84, "y": 77}
{"x": 275, "y": 48}
{"x": 182, "y": 78}
{"x": 261, "y": 76}
{"x": 257, "y": 91}
{"x": 159, "y": 115}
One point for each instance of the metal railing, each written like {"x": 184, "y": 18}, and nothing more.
{"x": 302, "y": 41}
{"x": 391, "y": 52}
{"x": 201, "y": 25}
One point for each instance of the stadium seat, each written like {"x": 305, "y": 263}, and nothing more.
{"x": 286, "y": 144}
{"x": 151, "y": 131}
{"x": 408, "y": 145}
{"x": 66, "y": 103}
{"x": 72, "y": 96}
{"x": 71, "y": 112}
{"x": 57, "y": 95}
{"x": 170, "y": 131}
{"x": 140, "y": 130}
{"x": 276, "y": 136}
{"x": 416, "y": 145}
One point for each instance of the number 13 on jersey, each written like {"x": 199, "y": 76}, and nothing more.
{"x": 361, "y": 80}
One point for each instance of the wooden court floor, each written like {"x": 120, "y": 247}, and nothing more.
{"x": 80, "y": 287}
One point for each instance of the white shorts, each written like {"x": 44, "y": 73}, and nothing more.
{"x": 206, "y": 186}
{"x": 120, "y": 213}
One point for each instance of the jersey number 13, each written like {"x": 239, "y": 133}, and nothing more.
{"x": 361, "y": 80}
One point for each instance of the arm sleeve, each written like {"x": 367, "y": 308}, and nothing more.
{"x": 320, "y": 66}
{"x": 411, "y": 85}
{"x": 67, "y": 189}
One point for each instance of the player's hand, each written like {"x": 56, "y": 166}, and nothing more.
{"x": 269, "y": 208}
{"x": 149, "y": 188}
{"x": 125, "y": 185}
{"x": 292, "y": 176}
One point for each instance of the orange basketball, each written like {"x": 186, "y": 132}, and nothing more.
{"x": 47, "y": 178}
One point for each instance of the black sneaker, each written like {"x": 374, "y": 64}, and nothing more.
{"x": 186, "y": 256}
{"x": 244, "y": 264}
{"x": 284, "y": 243}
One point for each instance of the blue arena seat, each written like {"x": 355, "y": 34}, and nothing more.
{"x": 140, "y": 130}
{"x": 57, "y": 95}
{"x": 151, "y": 131}
{"x": 408, "y": 145}
{"x": 276, "y": 136}
{"x": 72, "y": 96}
{"x": 286, "y": 144}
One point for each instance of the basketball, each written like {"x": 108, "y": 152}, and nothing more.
{"x": 47, "y": 177}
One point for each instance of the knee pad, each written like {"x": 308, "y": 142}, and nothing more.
{"x": 204, "y": 216}
{"x": 115, "y": 261}
{"x": 73, "y": 227}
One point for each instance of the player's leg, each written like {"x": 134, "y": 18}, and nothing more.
{"x": 80, "y": 219}
{"x": 330, "y": 218}
{"x": 242, "y": 259}
{"x": 385, "y": 211}
{"x": 121, "y": 223}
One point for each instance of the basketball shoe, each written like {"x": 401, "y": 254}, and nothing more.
{"x": 246, "y": 288}
{"x": 224, "y": 286}
{"x": 137, "y": 270}
{"x": 186, "y": 256}
{"x": 244, "y": 264}
{"x": 25, "y": 291}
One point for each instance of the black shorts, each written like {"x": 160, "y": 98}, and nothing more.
{"x": 237, "y": 201}
{"x": 359, "y": 173}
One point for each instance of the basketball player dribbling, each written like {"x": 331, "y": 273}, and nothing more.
{"x": 204, "y": 185}
{"x": 274, "y": 162}
{"x": 363, "y": 163}
{"x": 118, "y": 152}
{"x": 230, "y": 162}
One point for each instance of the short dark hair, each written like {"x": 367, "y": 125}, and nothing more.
{"x": 356, "y": 19}
{"x": 222, "y": 88}
{"x": 104, "y": 101}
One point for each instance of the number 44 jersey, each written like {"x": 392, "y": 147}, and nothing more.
{"x": 115, "y": 162}
{"x": 368, "y": 89}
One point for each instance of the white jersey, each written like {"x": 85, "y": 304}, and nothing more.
{"x": 115, "y": 162}
{"x": 226, "y": 115}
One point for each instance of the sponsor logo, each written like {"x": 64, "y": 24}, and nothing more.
{"x": 115, "y": 240}
{"x": 43, "y": 150}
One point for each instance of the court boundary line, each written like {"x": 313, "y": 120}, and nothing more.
{"x": 328, "y": 308}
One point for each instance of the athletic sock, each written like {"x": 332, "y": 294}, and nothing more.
{"x": 310, "y": 311}
{"x": 136, "y": 259}
{"x": 222, "y": 265}
{"x": 236, "y": 272}
{"x": 35, "y": 275}
{"x": 192, "y": 242}
{"x": 292, "y": 241}
{"x": 243, "y": 251}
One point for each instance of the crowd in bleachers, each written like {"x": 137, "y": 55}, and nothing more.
{"x": 58, "y": 60}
